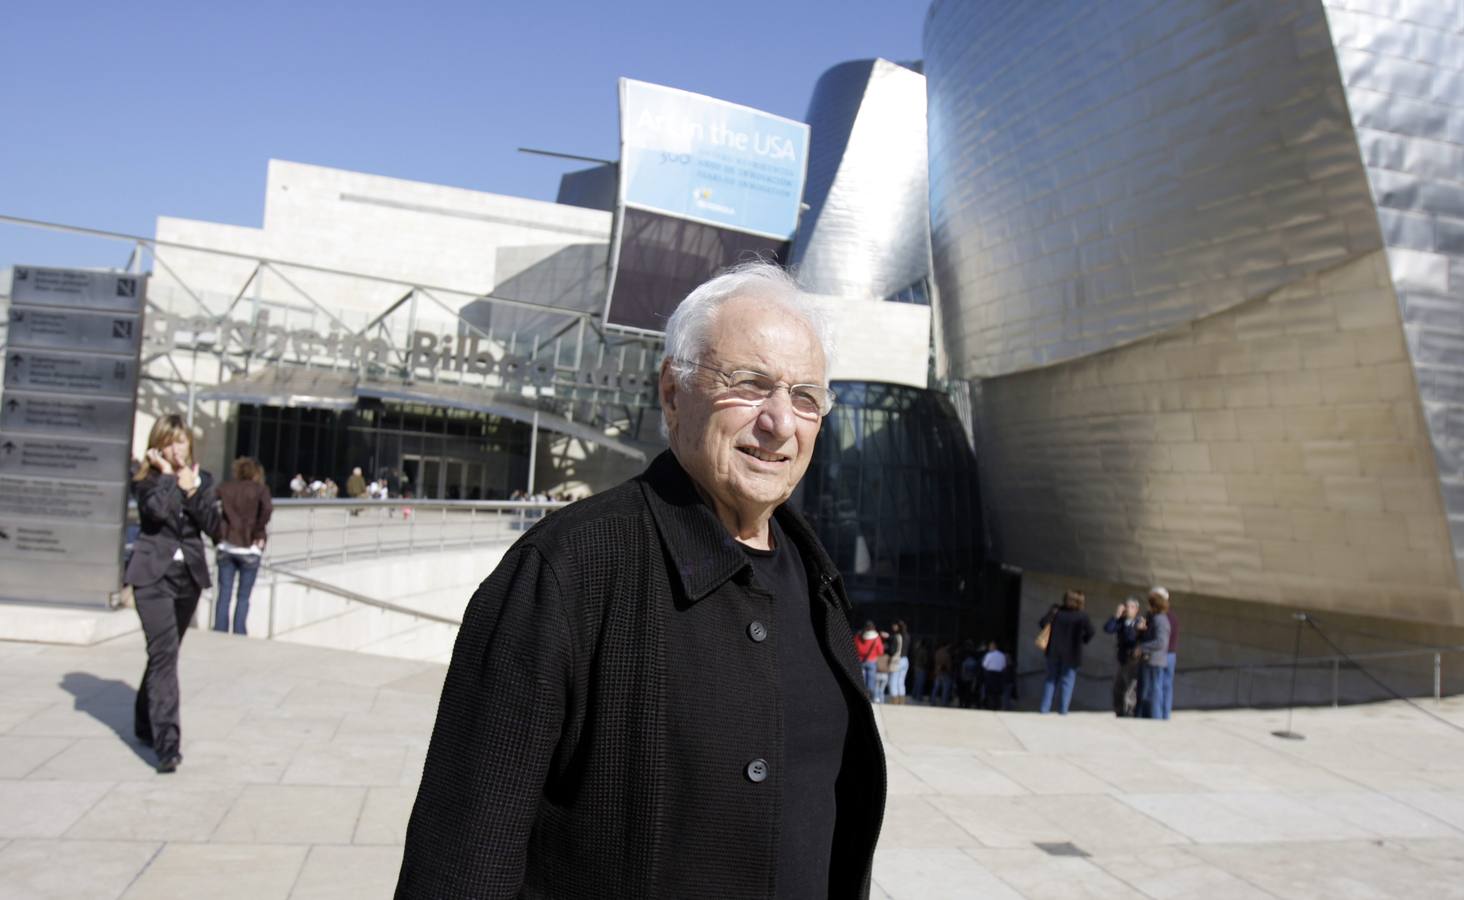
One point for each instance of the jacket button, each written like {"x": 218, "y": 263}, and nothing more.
{"x": 757, "y": 771}
{"x": 757, "y": 631}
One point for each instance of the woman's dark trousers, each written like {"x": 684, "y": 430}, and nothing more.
{"x": 165, "y": 608}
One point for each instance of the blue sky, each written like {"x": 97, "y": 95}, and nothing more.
{"x": 117, "y": 113}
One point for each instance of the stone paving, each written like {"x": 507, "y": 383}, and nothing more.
{"x": 301, "y": 764}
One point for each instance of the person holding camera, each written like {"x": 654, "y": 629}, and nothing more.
{"x": 1124, "y": 626}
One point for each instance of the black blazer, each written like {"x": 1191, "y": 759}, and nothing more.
{"x": 1071, "y": 629}
{"x": 169, "y": 521}
{"x": 606, "y": 704}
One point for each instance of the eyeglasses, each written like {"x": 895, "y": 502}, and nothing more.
{"x": 809, "y": 401}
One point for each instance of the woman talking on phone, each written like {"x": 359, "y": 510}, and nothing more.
{"x": 168, "y": 570}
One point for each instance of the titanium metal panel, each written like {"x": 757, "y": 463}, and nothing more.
{"x": 73, "y": 373}
{"x": 54, "y": 414}
{"x": 1102, "y": 172}
{"x": 1402, "y": 67}
{"x": 54, "y": 457}
{"x": 50, "y": 498}
{"x": 73, "y": 330}
{"x": 1206, "y": 259}
{"x": 866, "y": 233}
{"x": 78, "y": 289}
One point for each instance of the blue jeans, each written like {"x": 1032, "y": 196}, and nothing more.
{"x": 897, "y": 677}
{"x": 919, "y": 691}
{"x": 940, "y": 695}
{"x": 1057, "y": 673}
{"x": 247, "y": 567}
{"x": 1167, "y": 684}
{"x": 871, "y": 672}
{"x": 1151, "y": 690}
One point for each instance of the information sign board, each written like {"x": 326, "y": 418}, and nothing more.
{"x": 69, "y": 329}
{"x": 30, "y": 369}
{"x": 80, "y": 289}
{"x": 72, "y": 361}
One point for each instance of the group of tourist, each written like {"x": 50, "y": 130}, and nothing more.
{"x": 1146, "y": 644}
{"x": 968, "y": 674}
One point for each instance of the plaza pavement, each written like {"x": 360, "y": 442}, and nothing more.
{"x": 300, "y": 766}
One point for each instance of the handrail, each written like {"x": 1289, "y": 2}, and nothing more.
{"x": 346, "y": 593}
{"x": 414, "y": 503}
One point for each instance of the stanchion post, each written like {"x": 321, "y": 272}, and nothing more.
{"x": 1336, "y": 671}
{"x": 1288, "y": 734}
{"x": 1438, "y": 678}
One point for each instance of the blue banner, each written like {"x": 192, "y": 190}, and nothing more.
{"x": 698, "y": 158}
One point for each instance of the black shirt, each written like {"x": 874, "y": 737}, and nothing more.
{"x": 815, "y": 722}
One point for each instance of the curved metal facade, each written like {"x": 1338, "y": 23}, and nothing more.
{"x": 1102, "y": 172}
{"x": 866, "y": 234}
{"x": 1207, "y": 261}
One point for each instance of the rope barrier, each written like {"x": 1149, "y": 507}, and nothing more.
{"x": 1378, "y": 681}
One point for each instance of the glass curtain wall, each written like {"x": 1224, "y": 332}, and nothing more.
{"x": 893, "y": 495}
{"x": 439, "y": 454}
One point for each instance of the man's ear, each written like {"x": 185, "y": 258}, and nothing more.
{"x": 668, "y": 390}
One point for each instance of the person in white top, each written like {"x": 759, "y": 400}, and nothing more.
{"x": 993, "y": 677}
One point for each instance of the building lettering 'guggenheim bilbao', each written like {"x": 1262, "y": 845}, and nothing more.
{"x": 1204, "y": 265}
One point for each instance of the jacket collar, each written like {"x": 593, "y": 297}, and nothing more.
{"x": 703, "y": 554}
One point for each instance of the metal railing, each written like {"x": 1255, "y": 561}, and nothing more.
{"x": 304, "y": 533}
{"x": 1336, "y": 678}
{"x": 276, "y": 575}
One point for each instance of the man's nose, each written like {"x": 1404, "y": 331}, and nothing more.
{"x": 776, "y": 416}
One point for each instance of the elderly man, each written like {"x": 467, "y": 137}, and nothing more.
{"x": 655, "y": 693}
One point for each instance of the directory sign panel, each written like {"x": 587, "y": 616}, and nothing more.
{"x": 699, "y": 158}
{"x": 71, "y": 367}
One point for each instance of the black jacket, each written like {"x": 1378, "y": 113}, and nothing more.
{"x": 1126, "y": 636}
{"x": 605, "y": 700}
{"x": 170, "y": 520}
{"x": 1071, "y": 629}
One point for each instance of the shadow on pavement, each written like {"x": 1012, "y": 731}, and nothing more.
{"x": 109, "y": 701}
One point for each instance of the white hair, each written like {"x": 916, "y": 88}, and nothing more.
{"x": 1161, "y": 591}
{"x": 690, "y": 325}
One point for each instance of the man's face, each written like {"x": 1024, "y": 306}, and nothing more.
{"x": 746, "y": 459}
{"x": 1131, "y": 608}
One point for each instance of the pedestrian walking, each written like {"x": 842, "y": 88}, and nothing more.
{"x": 655, "y": 693}
{"x": 176, "y": 506}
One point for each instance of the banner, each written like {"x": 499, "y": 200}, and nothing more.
{"x": 707, "y": 160}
